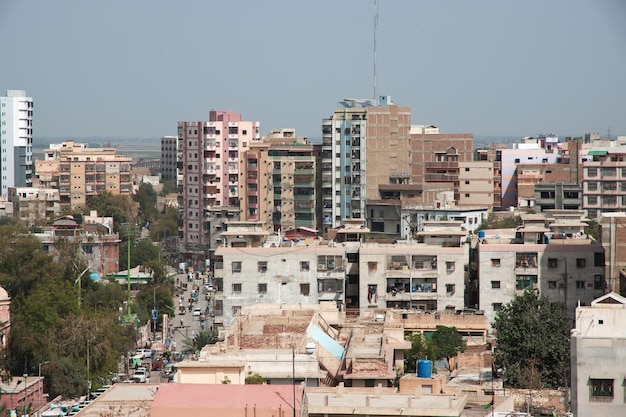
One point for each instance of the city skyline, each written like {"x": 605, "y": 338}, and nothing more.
{"x": 132, "y": 70}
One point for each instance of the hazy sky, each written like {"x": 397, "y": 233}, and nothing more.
{"x": 133, "y": 68}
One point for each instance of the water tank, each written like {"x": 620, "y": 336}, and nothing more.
{"x": 424, "y": 368}
{"x": 481, "y": 234}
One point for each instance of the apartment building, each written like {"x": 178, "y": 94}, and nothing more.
{"x": 80, "y": 172}
{"x": 34, "y": 205}
{"x": 427, "y": 274}
{"x": 597, "y": 357}
{"x": 365, "y": 143}
{"x": 277, "y": 275}
{"x": 604, "y": 181}
{"x": 211, "y": 166}
{"x": 478, "y": 183}
{"x": 435, "y": 159}
{"x": 16, "y": 140}
{"x": 296, "y": 180}
{"x": 551, "y": 256}
{"x": 613, "y": 238}
{"x": 169, "y": 158}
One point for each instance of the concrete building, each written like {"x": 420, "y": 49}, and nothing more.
{"x": 5, "y": 318}
{"x": 604, "y": 181}
{"x": 211, "y": 159}
{"x": 539, "y": 256}
{"x": 428, "y": 274}
{"x": 435, "y": 159}
{"x": 169, "y": 158}
{"x": 524, "y": 153}
{"x": 598, "y": 357}
{"x": 21, "y": 392}
{"x": 99, "y": 245}
{"x": 559, "y": 196}
{"x": 296, "y": 181}
{"x": 613, "y": 238}
{"x": 414, "y": 217}
{"x": 80, "y": 172}
{"x": 478, "y": 183}
{"x": 365, "y": 143}
{"x": 16, "y": 140}
{"x": 34, "y": 205}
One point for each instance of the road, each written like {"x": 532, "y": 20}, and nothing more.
{"x": 186, "y": 326}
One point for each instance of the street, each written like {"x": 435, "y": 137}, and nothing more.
{"x": 187, "y": 325}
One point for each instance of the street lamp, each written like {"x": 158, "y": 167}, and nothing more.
{"x": 39, "y": 389}
{"x": 293, "y": 376}
{"x": 26, "y": 391}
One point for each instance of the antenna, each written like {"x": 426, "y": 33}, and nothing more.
{"x": 375, "y": 32}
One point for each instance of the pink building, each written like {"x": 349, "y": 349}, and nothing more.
{"x": 226, "y": 400}
{"x": 209, "y": 158}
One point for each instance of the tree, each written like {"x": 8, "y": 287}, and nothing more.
{"x": 155, "y": 296}
{"x": 147, "y": 199}
{"x": 447, "y": 343}
{"x": 120, "y": 207}
{"x": 166, "y": 225}
{"x": 140, "y": 253}
{"x": 199, "y": 341}
{"x": 255, "y": 379}
{"x": 169, "y": 187}
{"x": 420, "y": 349}
{"x": 533, "y": 342}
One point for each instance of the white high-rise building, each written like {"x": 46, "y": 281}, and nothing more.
{"x": 16, "y": 140}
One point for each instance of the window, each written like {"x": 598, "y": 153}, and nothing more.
{"x": 598, "y": 259}
{"x": 450, "y": 289}
{"x": 237, "y": 288}
{"x": 592, "y": 186}
{"x": 262, "y": 266}
{"x": 495, "y": 262}
{"x": 305, "y": 289}
{"x": 580, "y": 285}
{"x": 495, "y": 284}
{"x": 516, "y": 160}
{"x": 372, "y": 266}
{"x": 523, "y": 282}
{"x": 592, "y": 172}
{"x": 304, "y": 265}
{"x": 497, "y": 306}
{"x": 467, "y": 169}
{"x": 580, "y": 262}
{"x": 600, "y": 390}
{"x": 450, "y": 266}
{"x": 598, "y": 282}
{"x": 466, "y": 182}
{"x": 592, "y": 199}
{"x": 262, "y": 288}
{"x": 236, "y": 266}
{"x": 552, "y": 285}
{"x": 552, "y": 262}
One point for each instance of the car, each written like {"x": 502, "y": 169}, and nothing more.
{"x": 144, "y": 353}
{"x": 141, "y": 375}
{"x": 208, "y": 288}
{"x": 197, "y": 312}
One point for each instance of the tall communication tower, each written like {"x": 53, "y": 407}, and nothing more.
{"x": 375, "y": 33}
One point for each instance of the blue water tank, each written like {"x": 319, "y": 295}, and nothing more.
{"x": 424, "y": 368}
{"x": 481, "y": 234}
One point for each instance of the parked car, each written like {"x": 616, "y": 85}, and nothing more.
{"x": 144, "y": 353}
{"x": 197, "y": 312}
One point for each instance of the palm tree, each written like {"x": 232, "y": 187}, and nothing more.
{"x": 199, "y": 341}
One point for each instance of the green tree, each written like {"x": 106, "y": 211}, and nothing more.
{"x": 533, "y": 342}
{"x": 420, "y": 349}
{"x": 593, "y": 229}
{"x": 147, "y": 199}
{"x": 255, "y": 379}
{"x": 199, "y": 341}
{"x": 120, "y": 207}
{"x": 169, "y": 187}
{"x": 141, "y": 252}
{"x": 153, "y": 296}
{"x": 447, "y": 343}
{"x": 166, "y": 225}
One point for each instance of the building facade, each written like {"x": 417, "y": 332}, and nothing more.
{"x": 539, "y": 256}
{"x": 34, "y": 205}
{"x": 16, "y": 140}
{"x": 365, "y": 143}
{"x": 597, "y": 358}
{"x": 169, "y": 158}
{"x": 80, "y": 172}
{"x": 211, "y": 159}
{"x": 604, "y": 181}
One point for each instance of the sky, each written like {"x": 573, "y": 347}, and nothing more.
{"x": 133, "y": 69}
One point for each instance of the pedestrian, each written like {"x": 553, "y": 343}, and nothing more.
{"x": 181, "y": 322}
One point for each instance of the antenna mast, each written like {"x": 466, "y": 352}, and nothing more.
{"x": 375, "y": 32}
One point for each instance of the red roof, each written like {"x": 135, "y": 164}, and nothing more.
{"x": 225, "y": 396}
